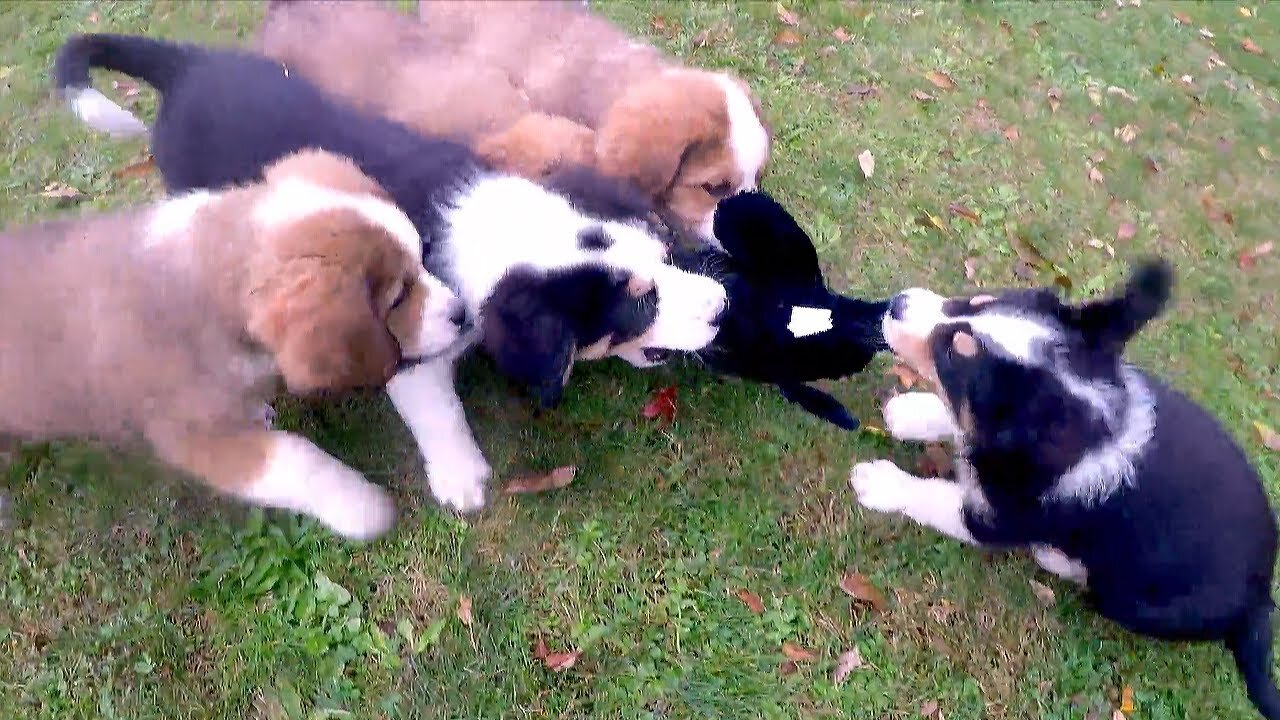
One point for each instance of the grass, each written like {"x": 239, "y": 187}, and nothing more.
{"x": 127, "y": 594}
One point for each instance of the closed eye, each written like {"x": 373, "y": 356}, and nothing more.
{"x": 717, "y": 190}
{"x": 405, "y": 289}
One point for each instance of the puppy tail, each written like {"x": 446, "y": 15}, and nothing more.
{"x": 819, "y": 404}
{"x": 156, "y": 63}
{"x": 1251, "y": 646}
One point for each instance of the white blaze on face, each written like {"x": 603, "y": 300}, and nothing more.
{"x": 748, "y": 139}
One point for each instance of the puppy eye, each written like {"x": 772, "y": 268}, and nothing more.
{"x": 405, "y": 289}
{"x": 717, "y": 190}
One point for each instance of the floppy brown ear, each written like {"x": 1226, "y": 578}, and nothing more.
{"x": 649, "y": 131}
{"x": 320, "y": 324}
{"x": 538, "y": 144}
{"x": 325, "y": 169}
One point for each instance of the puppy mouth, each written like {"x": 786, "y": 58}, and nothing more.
{"x": 658, "y": 355}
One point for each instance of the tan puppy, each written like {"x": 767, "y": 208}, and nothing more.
{"x": 175, "y": 323}
{"x": 534, "y": 85}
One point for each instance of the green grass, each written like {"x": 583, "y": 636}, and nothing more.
{"x": 127, "y": 594}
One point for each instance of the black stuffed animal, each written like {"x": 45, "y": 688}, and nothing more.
{"x": 783, "y": 325}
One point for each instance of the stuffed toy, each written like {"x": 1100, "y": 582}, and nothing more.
{"x": 783, "y": 325}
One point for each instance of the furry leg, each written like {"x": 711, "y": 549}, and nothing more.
{"x": 919, "y": 416}
{"x": 939, "y": 504}
{"x": 1055, "y": 561}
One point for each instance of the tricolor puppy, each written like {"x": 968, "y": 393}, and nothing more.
{"x": 574, "y": 269}
{"x": 533, "y": 85}
{"x": 175, "y": 323}
{"x": 1110, "y": 477}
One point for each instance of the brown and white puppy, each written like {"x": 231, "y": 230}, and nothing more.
{"x": 533, "y": 85}
{"x": 175, "y": 323}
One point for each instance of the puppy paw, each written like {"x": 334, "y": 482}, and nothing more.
{"x": 360, "y": 512}
{"x": 918, "y": 416}
{"x": 460, "y": 483}
{"x": 880, "y": 485}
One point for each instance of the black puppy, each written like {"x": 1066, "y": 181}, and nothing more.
{"x": 1110, "y": 477}
{"x": 783, "y": 326}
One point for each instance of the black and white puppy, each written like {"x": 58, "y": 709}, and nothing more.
{"x": 1110, "y": 477}
{"x": 552, "y": 274}
{"x": 784, "y": 325}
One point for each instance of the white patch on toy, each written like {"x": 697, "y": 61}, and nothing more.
{"x": 806, "y": 321}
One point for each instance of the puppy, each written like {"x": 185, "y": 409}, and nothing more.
{"x": 783, "y": 325}
{"x": 570, "y": 271}
{"x": 175, "y": 323}
{"x": 535, "y": 85}
{"x": 1113, "y": 479}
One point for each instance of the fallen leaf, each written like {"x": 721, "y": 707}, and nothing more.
{"x": 60, "y": 192}
{"x": 1126, "y": 699}
{"x": 797, "y": 654}
{"x": 921, "y": 96}
{"x": 1035, "y": 28}
{"x": 940, "y": 79}
{"x": 1044, "y": 594}
{"x": 1246, "y": 12}
{"x": 540, "y": 651}
{"x": 1206, "y": 34}
{"x": 862, "y": 91}
{"x": 931, "y": 710}
{"x": 1126, "y": 231}
{"x": 1250, "y": 47}
{"x": 933, "y": 221}
{"x": 786, "y": 37}
{"x": 700, "y": 40}
{"x": 849, "y": 661}
{"x": 970, "y": 268}
{"x": 858, "y": 587}
{"x": 659, "y": 23}
{"x": 1011, "y": 133}
{"x": 1182, "y": 18}
{"x": 1027, "y": 250}
{"x": 530, "y": 483}
{"x": 787, "y": 667}
{"x": 1054, "y": 96}
{"x": 6, "y": 71}
{"x": 1247, "y": 258}
{"x": 464, "y": 610}
{"x": 559, "y": 662}
{"x": 906, "y": 376}
{"x": 959, "y": 210}
{"x": 786, "y": 16}
{"x": 1095, "y": 175}
{"x": 1214, "y": 61}
{"x": 1095, "y": 95}
{"x": 1270, "y": 438}
{"x": 662, "y": 404}
{"x": 752, "y": 601}
{"x": 1115, "y": 90}
{"x": 1098, "y": 157}
{"x": 136, "y": 169}
{"x": 1006, "y": 26}
{"x": 1127, "y": 133}
{"x": 841, "y": 34}
{"x": 867, "y": 162}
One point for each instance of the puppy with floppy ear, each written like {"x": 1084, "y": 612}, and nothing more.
{"x": 175, "y": 323}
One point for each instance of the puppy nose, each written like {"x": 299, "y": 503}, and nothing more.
{"x": 458, "y": 315}
{"x": 898, "y": 306}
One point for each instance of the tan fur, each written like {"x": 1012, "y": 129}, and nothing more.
{"x": 113, "y": 332}
{"x": 492, "y": 73}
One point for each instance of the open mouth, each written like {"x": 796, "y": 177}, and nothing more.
{"x": 657, "y": 355}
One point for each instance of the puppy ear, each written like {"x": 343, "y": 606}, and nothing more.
{"x": 325, "y": 169}
{"x": 530, "y": 341}
{"x": 650, "y": 130}
{"x": 320, "y": 324}
{"x": 764, "y": 240}
{"x": 1111, "y": 322}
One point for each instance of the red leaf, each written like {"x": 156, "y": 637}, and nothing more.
{"x": 540, "y": 482}
{"x": 797, "y": 654}
{"x": 559, "y": 662}
{"x": 662, "y": 404}
{"x": 1248, "y": 258}
{"x": 858, "y": 587}
{"x": 751, "y": 600}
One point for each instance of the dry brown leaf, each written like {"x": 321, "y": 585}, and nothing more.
{"x": 867, "y": 162}
{"x": 930, "y": 220}
{"x": 1246, "y": 12}
{"x": 940, "y": 80}
{"x": 136, "y": 169}
{"x": 559, "y": 662}
{"x": 1115, "y": 90}
{"x": 1126, "y": 134}
{"x": 1095, "y": 95}
{"x": 1250, "y": 47}
{"x": 959, "y": 210}
{"x": 906, "y": 376}
{"x": 858, "y": 587}
{"x": 1270, "y": 438}
{"x": 541, "y": 482}
{"x": 797, "y": 654}
{"x": 921, "y": 96}
{"x": 931, "y": 710}
{"x": 752, "y": 601}
{"x": 1126, "y": 699}
{"x": 786, "y": 37}
{"x": 464, "y": 610}
{"x": 1095, "y": 175}
{"x": 849, "y": 661}
{"x": 787, "y": 667}
{"x": 970, "y": 268}
{"x": 540, "y": 651}
{"x": 1248, "y": 258}
{"x": 701, "y": 39}
{"x": 1044, "y": 594}
{"x": 1126, "y": 231}
{"x": 1182, "y": 18}
{"x": 786, "y": 16}
{"x": 1035, "y": 28}
{"x": 862, "y": 91}
{"x": 1011, "y": 133}
{"x": 1054, "y": 97}
{"x": 659, "y": 23}
{"x": 841, "y": 34}
{"x": 1006, "y": 26}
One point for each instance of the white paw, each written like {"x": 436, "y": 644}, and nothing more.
{"x": 459, "y": 482}
{"x": 360, "y": 510}
{"x": 918, "y": 416}
{"x": 880, "y": 485}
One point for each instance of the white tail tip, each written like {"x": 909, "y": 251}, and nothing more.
{"x": 100, "y": 113}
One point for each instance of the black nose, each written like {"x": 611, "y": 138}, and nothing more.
{"x": 898, "y": 306}
{"x": 458, "y": 316}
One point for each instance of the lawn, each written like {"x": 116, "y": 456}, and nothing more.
{"x": 1013, "y": 144}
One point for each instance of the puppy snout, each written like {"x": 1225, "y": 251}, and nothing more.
{"x": 898, "y": 306}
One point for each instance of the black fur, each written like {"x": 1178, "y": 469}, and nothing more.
{"x": 1186, "y": 549}
{"x": 225, "y": 115}
{"x": 769, "y": 267}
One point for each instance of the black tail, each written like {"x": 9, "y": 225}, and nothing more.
{"x": 1251, "y": 646}
{"x": 155, "y": 62}
{"x": 820, "y": 404}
